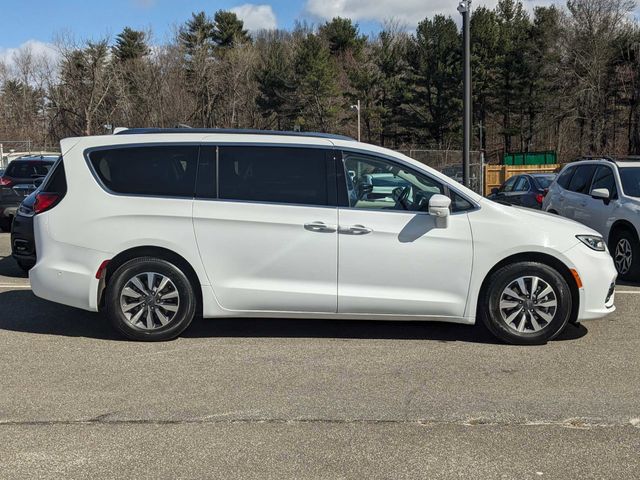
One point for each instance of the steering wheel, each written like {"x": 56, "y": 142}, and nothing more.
{"x": 400, "y": 195}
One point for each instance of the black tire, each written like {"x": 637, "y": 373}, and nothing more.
{"x": 185, "y": 308}
{"x": 621, "y": 240}
{"x": 495, "y": 319}
{"x": 5, "y": 225}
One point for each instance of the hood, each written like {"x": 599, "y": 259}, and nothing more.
{"x": 540, "y": 220}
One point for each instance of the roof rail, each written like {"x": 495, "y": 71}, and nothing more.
{"x": 232, "y": 131}
{"x": 610, "y": 158}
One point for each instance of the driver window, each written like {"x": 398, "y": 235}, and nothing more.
{"x": 374, "y": 183}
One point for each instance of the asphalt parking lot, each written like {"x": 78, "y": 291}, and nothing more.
{"x": 312, "y": 399}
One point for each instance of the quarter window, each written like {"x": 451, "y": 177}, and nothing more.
{"x": 522, "y": 185}
{"x": 508, "y": 185}
{"x": 274, "y": 175}
{"x": 582, "y": 179}
{"x": 162, "y": 170}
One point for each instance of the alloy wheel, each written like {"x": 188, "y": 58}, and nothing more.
{"x": 528, "y": 304}
{"x": 623, "y": 256}
{"x": 149, "y": 300}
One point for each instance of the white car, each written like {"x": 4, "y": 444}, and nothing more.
{"x": 156, "y": 226}
{"x": 603, "y": 194}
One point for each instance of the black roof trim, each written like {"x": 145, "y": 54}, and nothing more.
{"x": 235, "y": 131}
{"x": 609, "y": 158}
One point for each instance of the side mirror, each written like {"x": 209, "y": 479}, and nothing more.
{"x": 601, "y": 193}
{"x": 439, "y": 207}
{"x": 495, "y": 191}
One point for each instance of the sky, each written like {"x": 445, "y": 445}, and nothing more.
{"x": 37, "y": 23}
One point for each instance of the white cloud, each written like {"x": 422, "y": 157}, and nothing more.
{"x": 408, "y": 12}
{"x": 256, "y": 17}
{"x": 39, "y": 50}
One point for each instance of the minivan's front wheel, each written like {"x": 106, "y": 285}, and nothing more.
{"x": 526, "y": 303}
{"x": 150, "y": 299}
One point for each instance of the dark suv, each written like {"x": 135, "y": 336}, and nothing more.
{"x": 19, "y": 180}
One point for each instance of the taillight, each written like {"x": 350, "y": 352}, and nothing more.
{"x": 539, "y": 198}
{"x": 5, "y": 182}
{"x": 45, "y": 201}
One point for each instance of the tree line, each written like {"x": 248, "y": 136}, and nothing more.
{"x": 564, "y": 79}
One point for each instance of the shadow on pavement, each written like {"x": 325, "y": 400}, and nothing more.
{"x": 9, "y": 268}
{"x": 24, "y": 312}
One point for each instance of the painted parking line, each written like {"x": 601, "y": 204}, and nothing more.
{"x": 636, "y": 292}
{"x": 9, "y": 285}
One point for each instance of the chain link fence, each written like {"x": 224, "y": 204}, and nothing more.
{"x": 449, "y": 162}
{"x": 12, "y": 149}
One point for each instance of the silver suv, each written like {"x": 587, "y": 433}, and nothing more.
{"x": 603, "y": 193}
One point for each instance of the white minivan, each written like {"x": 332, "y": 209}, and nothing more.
{"x": 156, "y": 226}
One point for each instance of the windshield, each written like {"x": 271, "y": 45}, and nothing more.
{"x": 630, "y": 177}
{"x": 545, "y": 181}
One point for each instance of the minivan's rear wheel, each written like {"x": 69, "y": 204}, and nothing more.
{"x": 150, "y": 299}
{"x": 526, "y": 303}
{"x": 625, "y": 249}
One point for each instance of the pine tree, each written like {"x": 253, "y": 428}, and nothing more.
{"x": 130, "y": 44}
{"x": 315, "y": 76}
{"x": 342, "y": 36}
{"x": 435, "y": 59}
{"x": 276, "y": 85}
{"x": 228, "y": 29}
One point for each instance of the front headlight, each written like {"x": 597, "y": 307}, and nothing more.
{"x": 594, "y": 242}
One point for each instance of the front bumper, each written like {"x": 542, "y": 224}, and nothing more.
{"x": 598, "y": 275}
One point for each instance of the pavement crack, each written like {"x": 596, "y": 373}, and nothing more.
{"x": 104, "y": 419}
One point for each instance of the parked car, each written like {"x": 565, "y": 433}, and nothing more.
{"x": 605, "y": 195}
{"x": 526, "y": 190}
{"x": 23, "y": 246}
{"x": 19, "y": 180}
{"x": 154, "y": 226}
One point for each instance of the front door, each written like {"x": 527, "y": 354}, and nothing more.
{"x": 267, "y": 234}
{"x": 393, "y": 257}
{"x": 602, "y": 212}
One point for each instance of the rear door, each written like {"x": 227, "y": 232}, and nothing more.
{"x": 266, "y": 221}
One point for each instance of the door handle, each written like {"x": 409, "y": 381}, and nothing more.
{"x": 319, "y": 227}
{"x": 354, "y": 230}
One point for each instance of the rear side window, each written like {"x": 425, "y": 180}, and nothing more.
{"x": 56, "y": 182}
{"x": 565, "y": 177}
{"x": 581, "y": 180}
{"x": 274, "y": 175}
{"x": 161, "y": 170}
{"x": 28, "y": 169}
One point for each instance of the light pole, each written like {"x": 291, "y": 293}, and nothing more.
{"x": 357, "y": 109}
{"x": 464, "y": 7}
